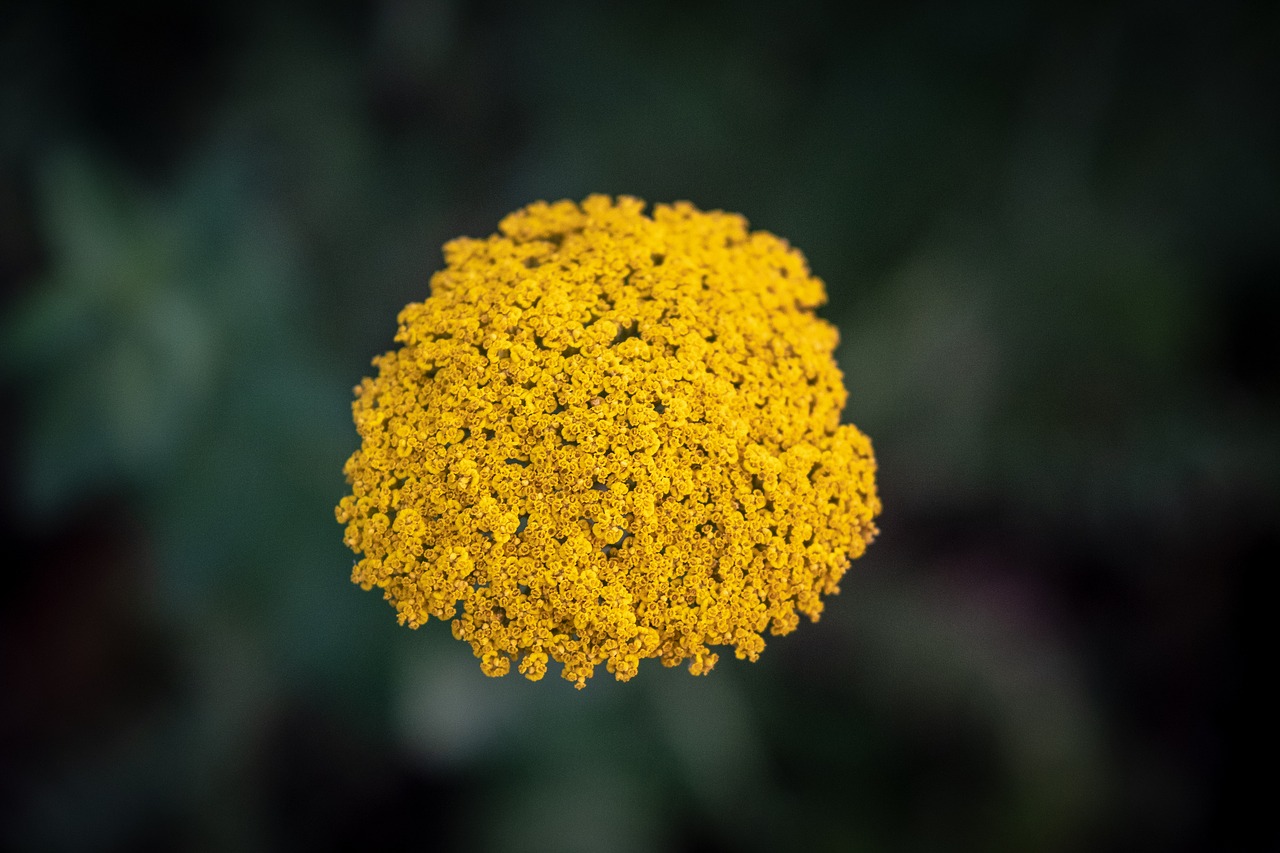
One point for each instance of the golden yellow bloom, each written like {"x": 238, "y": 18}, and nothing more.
{"x": 610, "y": 437}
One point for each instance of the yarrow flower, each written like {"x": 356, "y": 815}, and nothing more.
{"x": 607, "y": 437}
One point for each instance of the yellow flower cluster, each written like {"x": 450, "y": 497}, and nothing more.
{"x": 610, "y": 437}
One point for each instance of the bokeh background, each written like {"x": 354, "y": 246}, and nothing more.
{"x": 1050, "y": 242}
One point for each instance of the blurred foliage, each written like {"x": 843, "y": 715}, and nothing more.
{"x": 1048, "y": 238}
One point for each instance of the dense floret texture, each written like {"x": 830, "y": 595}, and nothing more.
{"x": 607, "y": 437}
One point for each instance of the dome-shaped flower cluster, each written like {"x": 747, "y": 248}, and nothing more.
{"x": 607, "y": 437}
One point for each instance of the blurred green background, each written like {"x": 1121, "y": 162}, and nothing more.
{"x": 1049, "y": 239}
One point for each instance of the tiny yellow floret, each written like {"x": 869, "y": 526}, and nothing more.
{"x": 607, "y": 437}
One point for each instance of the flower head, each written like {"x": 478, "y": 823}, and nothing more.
{"x": 607, "y": 437}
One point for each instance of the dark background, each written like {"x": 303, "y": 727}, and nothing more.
{"x": 1049, "y": 238}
